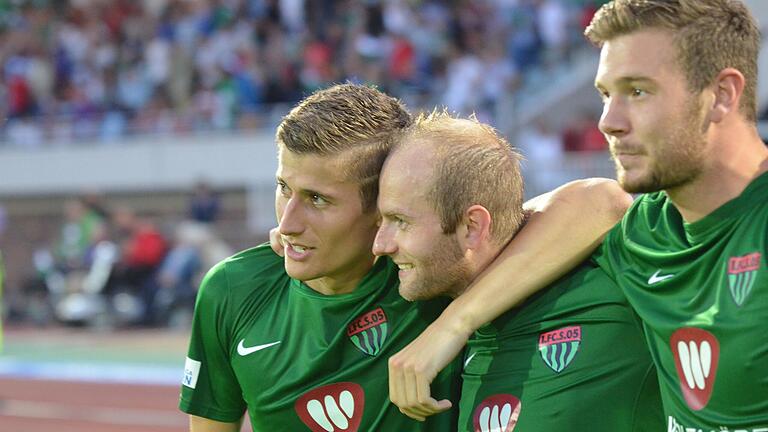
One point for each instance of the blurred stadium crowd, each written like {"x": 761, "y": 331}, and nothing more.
{"x": 99, "y": 70}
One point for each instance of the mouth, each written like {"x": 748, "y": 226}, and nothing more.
{"x": 297, "y": 252}
{"x": 404, "y": 269}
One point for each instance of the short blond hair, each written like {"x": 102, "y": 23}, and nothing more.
{"x": 473, "y": 165}
{"x": 355, "y": 121}
{"x": 709, "y": 35}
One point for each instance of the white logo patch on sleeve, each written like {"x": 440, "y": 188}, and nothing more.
{"x": 191, "y": 371}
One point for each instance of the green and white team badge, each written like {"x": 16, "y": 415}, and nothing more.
{"x": 559, "y": 347}
{"x": 369, "y": 331}
{"x": 742, "y": 272}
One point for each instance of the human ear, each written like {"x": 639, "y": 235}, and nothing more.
{"x": 728, "y": 89}
{"x": 475, "y": 227}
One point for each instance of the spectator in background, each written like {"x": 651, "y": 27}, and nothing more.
{"x": 196, "y": 248}
{"x": 82, "y": 228}
{"x": 142, "y": 249}
{"x": 204, "y": 204}
{"x": 583, "y": 135}
{"x": 101, "y": 69}
{"x": 543, "y": 148}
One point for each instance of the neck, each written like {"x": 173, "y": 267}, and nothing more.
{"x": 736, "y": 160}
{"x": 344, "y": 283}
{"x": 480, "y": 260}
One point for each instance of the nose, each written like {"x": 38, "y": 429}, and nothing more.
{"x": 384, "y": 243}
{"x": 614, "y": 121}
{"x": 290, "y": 218}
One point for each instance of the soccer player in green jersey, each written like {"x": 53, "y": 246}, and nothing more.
{"x": 302, "y": 343}
{"x": 450, "y": 199}
{"x": 678, "y": 82}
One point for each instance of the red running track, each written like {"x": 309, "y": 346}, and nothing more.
{"x": 66, "y": 406}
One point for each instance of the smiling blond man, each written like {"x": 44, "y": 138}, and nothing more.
{"x": 450, "y": 199}
{"x": 302, "y": 343}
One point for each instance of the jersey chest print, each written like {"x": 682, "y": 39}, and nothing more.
{"x": 497, "y": 413}
{"x": 696, "y": 354}
{"x": 368, "y": 332}
{"x": 335, "y": 407}
{"x": 742, "y": 272}
{"x": 559, "y": 347}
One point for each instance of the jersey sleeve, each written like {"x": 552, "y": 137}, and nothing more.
{"x": 210, "y": 388}
{"x": 601, "y": 255}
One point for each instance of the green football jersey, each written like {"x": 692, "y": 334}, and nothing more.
{"x": 701, "y": 290}
{"x": 571, "y": 358}
{"x": 298, "y": 360}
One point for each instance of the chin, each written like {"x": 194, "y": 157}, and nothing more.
{"x": 419, "y": 293}
{"x": 297, "y": 272}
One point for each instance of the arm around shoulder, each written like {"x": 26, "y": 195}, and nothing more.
{"x": 564, "y": 227}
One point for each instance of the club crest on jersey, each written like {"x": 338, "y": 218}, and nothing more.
{"x": 335, "y": 407}
{"x": 696, "y": 354}
{"x": 742, "y": 272}
{"x": 559, "y": 347}
{"x": 497, "y": 413}
{"x": 369, "y": 331}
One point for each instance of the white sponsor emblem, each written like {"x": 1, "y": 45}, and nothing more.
{"x": 496, "y": 419}
{"x": 244, "y": 351}
{"x": 656, "y": 278}
{"x": 330, "y": 413}
{"x": 696, "y": 361}
{"x": 191, "y": 371}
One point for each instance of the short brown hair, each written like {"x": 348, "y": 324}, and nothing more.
{"x": 710, "y": 35}
{"x": 474, "y": 165}
{"x": 353, "y": 120}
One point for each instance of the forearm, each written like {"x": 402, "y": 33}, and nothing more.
{"x": 200, "y": 424}
{"x": 563, "y": 228}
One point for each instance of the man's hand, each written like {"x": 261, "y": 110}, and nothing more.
{"x": 412, "y": 370}
{"x": 276, "y": 242}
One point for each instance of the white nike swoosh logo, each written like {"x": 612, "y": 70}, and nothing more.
{"x": 243, "y": 351}
{"x": 656, "y": 278}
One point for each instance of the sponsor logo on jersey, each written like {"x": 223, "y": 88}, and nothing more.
{"x": 742, "y": 272}
{"x": 674, "y": 426}
{"x": 497, "y": 413}
{"x": 191, "y": 372}
{"x": 369, "y": 331}
{"x": 559, "y": 347}
{"x": 696, "y": 354}
{"x": 335, "y": 407}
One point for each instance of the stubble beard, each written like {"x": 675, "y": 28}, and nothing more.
{"x": 679, "y": 162}
{"x": 446, "y": 273}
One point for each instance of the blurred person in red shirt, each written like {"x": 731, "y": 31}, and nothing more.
{"x": 142, "y": 249}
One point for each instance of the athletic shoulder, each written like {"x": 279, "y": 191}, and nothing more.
{"x": 242, "y": 272}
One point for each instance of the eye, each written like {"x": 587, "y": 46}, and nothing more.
{"x": 604, "y": 95}
{"x": 400, "y": 223}
{"x": 283, "y": 189}
{"x": 318, "y": 200}
{"x": 637, "y": 92}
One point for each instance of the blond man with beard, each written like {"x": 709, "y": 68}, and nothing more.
{"x": 451, "y": 198}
